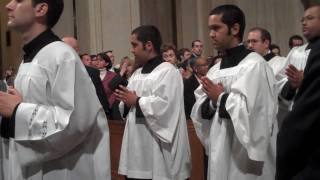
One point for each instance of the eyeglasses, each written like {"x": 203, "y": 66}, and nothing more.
{"x": 308, "y": 18}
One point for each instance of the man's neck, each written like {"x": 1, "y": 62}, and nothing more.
{"x": 32, "y": 33}
{"x": 234, "y": 43}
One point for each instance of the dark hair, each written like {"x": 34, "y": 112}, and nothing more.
{"x": 55, "y": 8}
{"x": 106, "y": 59}
{"x": 294, "y": 37}
{"x": 274, "y": 46}
{"x": 167, "y": 47}
{"x": 84, "y": 54}
{"x": 265, "y": 35}
{"x": 147, "y": 33}
{"x": 231, "y": 15}
{"x": 309, "y": 3}
{"x": 193, "y": 42}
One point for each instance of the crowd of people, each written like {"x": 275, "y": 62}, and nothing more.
{"x": 254, "y": 111}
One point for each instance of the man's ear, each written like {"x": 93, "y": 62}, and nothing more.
{"x": 235, "y": 29}
{"x": 149, "y": 45}
{"x": 41, "y": 9}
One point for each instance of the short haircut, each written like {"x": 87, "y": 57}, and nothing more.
{"x": 310, "y": 3}
{"x": 274, "y": 46}
{"x": 193, "y": 42}
{"x": 150, "y": 33}
{"x": 106, "y": 59}
{"x": 265, "y": 35}
{"x": 167, "y": 47}
{"x": 55, "y": 8}
{"x": 84, "y": 54}
{"x": 294, "y": 37}
{"x": 231, "y": 15}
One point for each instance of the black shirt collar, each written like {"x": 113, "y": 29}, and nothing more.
{"x": 151, "y": 65}
{"x": 268, "y": 56}
{"x": 34, "y": 46}
{"x": 233, "y": 56}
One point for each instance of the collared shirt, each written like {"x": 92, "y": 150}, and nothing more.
{"x": 151, "y": 64}
{"x": 34, "y": 46}
{"x": 233, "y": 56}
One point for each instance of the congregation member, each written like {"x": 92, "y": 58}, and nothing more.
{"x": 169, "y": 54}
{"x": 298, "y": 150}
{"x": 259, "y": 40}
{"x": 53, "y": 125}
{"x": 200, "y": 69}
{"x": 295, "y": 41}
{"x": 234, "y": 113}
{"x": 155, "y": 143}
{"x": 196, "y": 48}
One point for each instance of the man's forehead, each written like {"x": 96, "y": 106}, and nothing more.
{"x": 312, "y": 10}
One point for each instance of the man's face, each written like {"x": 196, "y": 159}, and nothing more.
{"x": 311, "y": 22}
{"x": 297, "y": 42}
{"x": 201, "y": 67}
{"x": 197, "y": 48}
{"x": 276, "y": 51}
{"x": 255, "y": 43}
{"x": 139, "y": 51}
{"x": 21, "y": 14}
{"x": 86, "y": 59}
{"x": 219, "y": 33}
{"x": 170, "y": 56}
{"x": 94, "y": 62}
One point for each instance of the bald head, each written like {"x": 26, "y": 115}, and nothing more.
{"x": 73, "y": 42}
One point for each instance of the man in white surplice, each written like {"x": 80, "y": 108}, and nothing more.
{"x": 234, "y": 114}
{"x": 54, "y": 126}
{"x": 155, "y": 142}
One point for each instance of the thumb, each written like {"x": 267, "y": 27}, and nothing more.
{"x": 13, "y": 91}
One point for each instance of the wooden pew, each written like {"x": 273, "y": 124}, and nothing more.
{"x": 116, "y": 133}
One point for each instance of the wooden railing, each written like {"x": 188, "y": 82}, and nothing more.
{"x": 116, "y": 133}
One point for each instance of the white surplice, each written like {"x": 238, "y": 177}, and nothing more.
{"x": 297, "y": 57}
{"x": 156, "y": 147}
{"x": 277, "y": 63}
{"x": 243, "y": 147}
{"x": 61, "y": 131}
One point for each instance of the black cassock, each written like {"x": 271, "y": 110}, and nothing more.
{"x": 298, "y": 144}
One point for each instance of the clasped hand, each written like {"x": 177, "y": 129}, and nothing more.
{"x": 126, "y": 96}
{"x": 212, "y": 90}
{"x": 8, "y": 101}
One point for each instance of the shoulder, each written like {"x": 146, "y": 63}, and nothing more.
{"x": 58, "y": 51}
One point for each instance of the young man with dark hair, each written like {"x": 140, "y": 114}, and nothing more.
{"x": 54, "y": 125}
{"x": 155, "y": 142}
{"x": 234, "y": 113}
{"x": 196, "y": 48}
{"x": 298, "y": 149}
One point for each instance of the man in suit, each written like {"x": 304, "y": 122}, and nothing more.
{"x": 298, "y": 150}
{"x": 200, "y": 68}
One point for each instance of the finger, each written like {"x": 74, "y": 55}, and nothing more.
{"x": 292, "y": 67}
{"x": 13, "y": 91}
{"x": 123, "y": 88}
